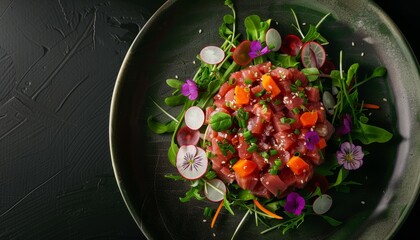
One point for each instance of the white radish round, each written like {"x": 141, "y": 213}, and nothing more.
{"x": 322, "y": 204}
{"x": 212, "y": 55}
{"x": 191, "y": 162}
{"x": 273, "y": 39}
{"x": 215, "y": 190}
{"x": 194, "y": 117}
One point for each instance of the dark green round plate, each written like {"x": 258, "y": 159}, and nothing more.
{"x": 167, "y": 46}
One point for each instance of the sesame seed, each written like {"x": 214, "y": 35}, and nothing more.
{"x": 200, "y": 31}
{"x": 362, "y": 54}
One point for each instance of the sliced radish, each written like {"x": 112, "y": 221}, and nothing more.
{"x": 212, "y": 55}
{"x": 191, "y": 162}
{"x": 187, "y": 136}
{"x": 322, "y": 204}
{"x": 241, "y": 53}
{"x": 313, "y": 55}
{"x": 273, "y": 39}
{"x": 215, "y": 190}
{"x": 291, "y": 45}
{"x": 194, "y": 117}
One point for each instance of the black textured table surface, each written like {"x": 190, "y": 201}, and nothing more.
{"x": 58, "y": 64}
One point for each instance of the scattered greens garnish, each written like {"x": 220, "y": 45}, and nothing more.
{"x": 339, "y": 89}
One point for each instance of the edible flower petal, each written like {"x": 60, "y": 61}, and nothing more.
{"x": 257, "y": 50}
{"x": 311, "y": 139}
{"x": 350, "y": 156}
{"x": 294, "y": 203}
{"x": 346, "y": 127}
{"x": 190, "y": 89}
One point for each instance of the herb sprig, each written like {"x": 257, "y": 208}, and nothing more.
{"x": 348, "y": 117}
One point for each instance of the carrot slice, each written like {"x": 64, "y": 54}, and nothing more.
{"x": 308, "y": 119}
{"x": 297, "y": 165}
{"x": 269, "y": 85}
{"x": 371, "y": 106}
{"x": 216, "y": 214}
{"x": 244, "y": 167}
{"x": 265, "y": 210}
{"x": 242, "y": 95}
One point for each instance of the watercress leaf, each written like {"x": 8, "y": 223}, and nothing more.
{"x": 228, "y": 19}
{"x": 312, "y": 34}
{"x": 368, "y": 134}
{"x": 173, "y": 150}
{"x": 174, "y": 83}
{"x": 252, "y": 26}
{"x": 351, "y": 72}
{"x": 245, "y": 195}
{"x": 333, "y": 222}
{"x": 378, "y": 72}
{"x": 160, "y": 128}
{"x": 220, "y": 121}
{"x": 175, "y": 100}
{"x": 311, "y": 73}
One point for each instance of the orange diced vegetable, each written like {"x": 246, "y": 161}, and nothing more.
{"x": 244, "y": 167}
{"x": 308, "y": 119}
{"x": 322, "y": 143}
{"x": 265, "y": 210}
{"x": 269, "y": 85}
{"x": 297, "y": 165}
{"x": 242, "y": 95}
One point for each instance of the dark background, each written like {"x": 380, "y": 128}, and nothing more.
{"x": 58, "y": 63}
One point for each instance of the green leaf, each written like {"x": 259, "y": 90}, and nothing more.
{"x": 351, "y": 73}
{"x": 160, "y": 128}
{"x": 228, "y": 19}
{"x": 252, "y": 25}
{"x": 368, "y": 134}
{"x": 311, "y": 73}
{"x": 173, "y": 150}
{"x": 220, "y": 121}
{"x": 378, "y": 72}
{"x": 333, "y": 222}
{"x": 175, "y": 100}
{"x": 245, "y": 195}
{"x": 174, "y": 83}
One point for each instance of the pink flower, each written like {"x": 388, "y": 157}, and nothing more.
{"x": 311, "y": 139}
{"x": 190, "y": 89}
{"x": 257, "y": 50}
{"x": 294, "y": 203}
{"x": 350, "y": 156}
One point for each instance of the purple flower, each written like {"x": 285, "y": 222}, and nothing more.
{"x": 257, "y": 50}
{"x": 350, "y": 156}
{"x": 294, "y": 203}
{"x": 346, "y": 127}
{"x": 311, "y": 139}
{"x": 190, "y": 89}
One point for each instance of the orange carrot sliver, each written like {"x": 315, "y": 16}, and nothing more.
{"x": 297, "y": 165}
{"x": 242, "y": 95}
{"x": 309, "y": 119}
{"x": 265, "y": 210}
{"x": 371, "y": 106}
{"x": 269, "y": 85}
{"x": 216, "y": 214}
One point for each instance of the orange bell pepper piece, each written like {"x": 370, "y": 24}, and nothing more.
{"x": 244, "y": 167}
{"x": 270, "y": 85}
{"x": 308, "y": 119}
{"x": 242, "y": 95}
{"x": 297, "y": 165}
